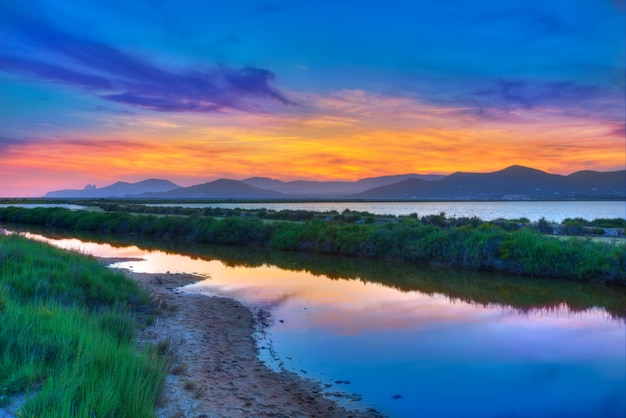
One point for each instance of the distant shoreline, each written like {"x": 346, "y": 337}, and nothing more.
{"x": 50, "y": 200}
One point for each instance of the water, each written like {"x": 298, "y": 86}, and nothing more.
{"x": 414, "y": 340}
{"x": 533, "y": 210}
{"x": 554, "y": 211}
{"x": 44, "y": 205}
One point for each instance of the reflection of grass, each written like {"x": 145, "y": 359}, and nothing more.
{"x": 67, "y": 337}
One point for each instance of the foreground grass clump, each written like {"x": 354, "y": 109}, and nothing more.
{"x": 67, "y": 337}
{"x": 471, "y": 244}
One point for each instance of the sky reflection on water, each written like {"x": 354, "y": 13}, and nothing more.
{"x": 445, "y": 357}
{"x": 533, "y": 210}
{"x": 489, "y": 360}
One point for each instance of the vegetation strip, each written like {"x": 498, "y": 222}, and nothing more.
{"x": 510, "y": 246}
{"x": 68, "y": 336}
{"x": 517, "y": 247}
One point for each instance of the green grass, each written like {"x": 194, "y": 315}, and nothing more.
{"x": 67, "y": 338}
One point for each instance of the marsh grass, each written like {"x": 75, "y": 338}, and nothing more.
{"x": 68, "y": 336}
{"x": 468, "y": 243}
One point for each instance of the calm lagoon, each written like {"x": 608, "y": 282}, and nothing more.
{"x": 554, "y": 211}
{"x": 413, "y": 340}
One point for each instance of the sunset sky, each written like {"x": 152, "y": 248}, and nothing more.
{"x": 92, "y": 92}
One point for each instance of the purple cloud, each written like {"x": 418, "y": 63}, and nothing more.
{"x": 499, "y": 97}
{"x": 120, "y": 77}
{"x": 571, "y": 98}
{"x": 524, "y": 94}
{"x": 6, "y": 142}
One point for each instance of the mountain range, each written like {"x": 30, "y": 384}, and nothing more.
{"x": 512, "y": 183}
{"x": 119, "y": 189}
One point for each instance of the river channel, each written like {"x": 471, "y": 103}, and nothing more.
{"x": 414, "y": 340}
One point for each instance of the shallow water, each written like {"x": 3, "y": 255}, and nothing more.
{"x": 413, "y": 340}
{"x": 555, "y": 211}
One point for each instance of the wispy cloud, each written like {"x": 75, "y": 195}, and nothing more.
{"x": 505, "y": 97}
{"x": 566, "y": 97}
{"x": 53, "y": 72}
{"x": 122, "y": 77}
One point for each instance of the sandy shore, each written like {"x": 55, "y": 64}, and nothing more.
{"x": 215, "y": 370}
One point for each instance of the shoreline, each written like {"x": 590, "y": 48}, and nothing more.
{"x": 215, "y": 370}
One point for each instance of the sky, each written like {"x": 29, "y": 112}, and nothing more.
{"x": 99, "y": 91}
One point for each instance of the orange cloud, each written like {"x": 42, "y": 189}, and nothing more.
{"x": 347, "y": 135}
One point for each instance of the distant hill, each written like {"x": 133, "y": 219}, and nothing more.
{"x": 331, "y": 189}
{"x": 119, "y": 189}
{"x": 218, "y": 189}
{"x": 514, "y": 183}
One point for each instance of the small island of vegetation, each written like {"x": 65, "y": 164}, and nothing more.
{"x": 513, "y": 246}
